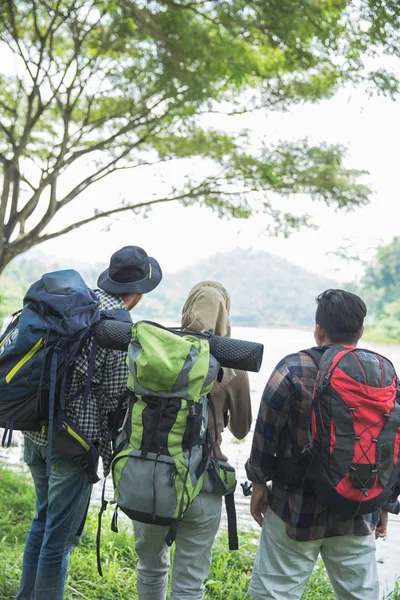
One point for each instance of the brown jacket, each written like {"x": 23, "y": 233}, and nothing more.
{"x": 207, "y": 309}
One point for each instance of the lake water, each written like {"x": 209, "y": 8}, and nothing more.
{"x": 277, "y": 343}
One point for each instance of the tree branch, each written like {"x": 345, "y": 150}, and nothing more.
{"x": 97, "y": 176}
{"x": 9, "y": 135}
{"x": 24, "y": 242}
{"x": 108, "y": 213}
{"x": 185, "y": 6}
{"x": 16, "y": 180}
{"x": 126, "y": 129}
{"x": 4, "y": 203}
{"x": 16, "y": 38}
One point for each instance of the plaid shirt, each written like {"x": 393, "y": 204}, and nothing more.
{"x": 110, "y": 374}
{"x": 282, "y": 429}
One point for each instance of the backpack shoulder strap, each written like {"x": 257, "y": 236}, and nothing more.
{"x": 316, "y": 353}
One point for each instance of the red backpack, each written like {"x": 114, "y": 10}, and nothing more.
{"x": 355, "y": 430}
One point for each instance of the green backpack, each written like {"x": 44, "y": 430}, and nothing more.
{"x": 161, "y": 453}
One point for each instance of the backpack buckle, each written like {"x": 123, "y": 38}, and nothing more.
{"x": 61, "y": 343}
{"x": 326, "y": 379}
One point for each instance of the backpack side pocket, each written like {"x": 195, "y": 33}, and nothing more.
{"x": 73, "y": 445}
{"x": 221, "y": 478}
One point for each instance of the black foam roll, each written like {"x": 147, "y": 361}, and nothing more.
{"x": 236, "y": 354}
{"x": 113, "y": 334}
{"x": 229, "y": 352}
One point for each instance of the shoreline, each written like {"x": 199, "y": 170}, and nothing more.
{"x": 386, "y": 548}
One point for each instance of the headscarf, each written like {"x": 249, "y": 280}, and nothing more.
{"x": 207, "y": 309}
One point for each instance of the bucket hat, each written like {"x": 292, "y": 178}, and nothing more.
{"x": 131, "y": 271}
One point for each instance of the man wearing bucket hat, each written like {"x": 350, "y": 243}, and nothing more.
{"x": 62, "y": 499}
{"x": 131, "y": 271}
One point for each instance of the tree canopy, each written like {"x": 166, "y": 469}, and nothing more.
{"x": 380, "y": 288}
{"x": 91, "y": 87}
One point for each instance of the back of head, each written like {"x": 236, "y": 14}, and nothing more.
{"x": 341, "y": 314}
{"x": 207, "y": 309}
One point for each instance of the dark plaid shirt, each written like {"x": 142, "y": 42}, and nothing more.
{"x": 282, "y": 429}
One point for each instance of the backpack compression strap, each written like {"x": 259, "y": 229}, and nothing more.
{"x": 103, "y": 507}
{"x": 230, "y": 507}
{"x": 232, "y": 521}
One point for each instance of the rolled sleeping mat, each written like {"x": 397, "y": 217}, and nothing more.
{"x": 229, "y": 352}
{"x": 236, "y": 354}
{"x": 113, "y": 334}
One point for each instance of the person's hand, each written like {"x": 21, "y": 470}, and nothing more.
{"x": 381, "y": 528}
{"x": 259, "y": 502}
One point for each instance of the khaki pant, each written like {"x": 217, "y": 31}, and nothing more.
{"x": 283, "y": 566}
{"x": 192, "y": 557}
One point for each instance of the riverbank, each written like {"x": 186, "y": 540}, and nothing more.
{"x": 228, "y": 580}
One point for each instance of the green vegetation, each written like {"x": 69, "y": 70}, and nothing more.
{"x": 101, "y": 86}
{"x": 380, "y": 288}
{"x": 229, "y": 578}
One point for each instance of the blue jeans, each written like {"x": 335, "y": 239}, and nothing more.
{"x": 62, "y": 500}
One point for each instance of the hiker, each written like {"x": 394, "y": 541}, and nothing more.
{"x": 62, "y": 498}
{"x": 295, "y": 526}
{"x": 206, "y": 309}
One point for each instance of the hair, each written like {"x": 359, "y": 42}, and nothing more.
{"x": 341, "y": 314}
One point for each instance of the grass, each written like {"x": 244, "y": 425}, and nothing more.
{"x": 229, "y": 578}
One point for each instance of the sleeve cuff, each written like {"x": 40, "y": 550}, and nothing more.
{"x": 255, "y": 475}
{"x": 392, "y": 507}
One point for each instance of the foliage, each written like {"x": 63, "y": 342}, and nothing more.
{"x": 319, "y": 586}
{"x": 108, "y": 85}
{"x": 394, "y": 594}
{"x": 18, "y": 505}
{"x": 228, "y": 580}
{"x": 380, "y": 288}
{"x": 229, "y": 577}
{"x": 3, "y": 309}
{"x": 382, "y": 275}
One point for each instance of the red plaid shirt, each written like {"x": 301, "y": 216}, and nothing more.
{"x": 282, "y": 429}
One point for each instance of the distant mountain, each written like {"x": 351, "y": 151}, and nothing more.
{"x": 265, "y": 290}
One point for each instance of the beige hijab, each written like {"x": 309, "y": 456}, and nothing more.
{"x": 207, "y": 309}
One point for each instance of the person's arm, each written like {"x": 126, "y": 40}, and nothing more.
{"x": 392, "y": 507}
{"x": 239, "y": 405}
{"x": 115, "y": 377}
{"x": 272, "y": 418}
{"x": 259, "y": 502}
{"x": 381, "y": 528}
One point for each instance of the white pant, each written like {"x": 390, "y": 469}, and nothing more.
{"x": 192, "y": 556}
{"x": 283, "y": 565}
